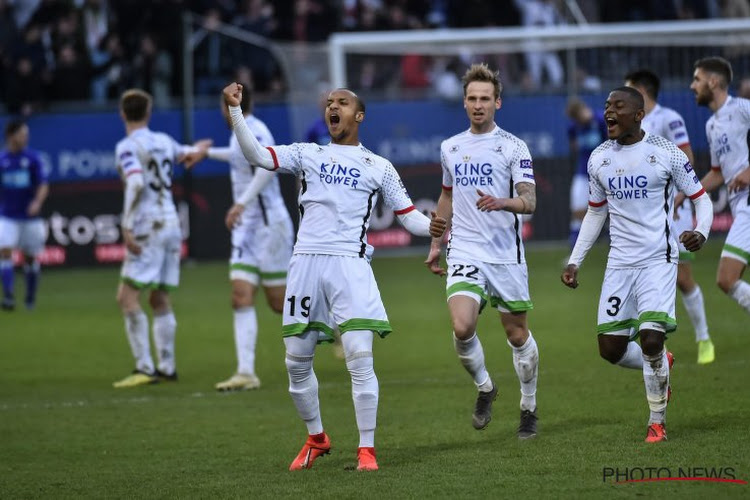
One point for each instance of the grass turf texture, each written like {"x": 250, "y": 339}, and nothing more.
{"x": 65, "y": 432}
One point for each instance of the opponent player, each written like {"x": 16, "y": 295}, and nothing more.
{"x": 262, "y": 239}
{"x": 633, "y": 177}
{"x": 668, "y": 123}
{"x": 23, "y": 189}
{"x": 727, "y": 132}
{"x": 151, "y": 231}
{"x": 488, "y": 182}
{"x": 330, "y": 279}
{"x": 586, "y": 131}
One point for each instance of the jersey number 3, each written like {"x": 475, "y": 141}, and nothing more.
{"x": 161, "y": 177}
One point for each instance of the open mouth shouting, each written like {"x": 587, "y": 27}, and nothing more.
{"x": 612, "y": 126}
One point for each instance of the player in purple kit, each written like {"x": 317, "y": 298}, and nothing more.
{"x": 23, "y": 189}
{"x": 586, "y": 131}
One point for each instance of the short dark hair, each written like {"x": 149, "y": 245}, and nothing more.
{"x": 717, "y": 65}
{"x": 636, "y": 96}
{"x": 135, "y": 105}
{"x": 13, "y": 126}
{"x": 647, "y": 79}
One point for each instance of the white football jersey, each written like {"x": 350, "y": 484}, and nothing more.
{"x": 638, "y": 184}
{"x": 269, "y": 206}
{"x": 339, "y": 188}
{"x": 727, "y": 132}
{"x": 494, "y": 163}
{"x": 668, "y": 123}
{"x": 152, "y": 155}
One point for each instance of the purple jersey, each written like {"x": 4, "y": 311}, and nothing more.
{"x": 588, "y": 137}
{"x": 20, "y": 176}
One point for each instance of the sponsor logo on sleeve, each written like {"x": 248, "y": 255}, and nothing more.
{"x": 675, "y": 124}
{"x": 528, "y": 176}
{"x": 125, "y": 154}
{"x": 526, "y": 163}
{"x": 680, "y": 135}
{"x": 688, "y": 167}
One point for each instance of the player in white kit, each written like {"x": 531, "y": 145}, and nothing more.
{"x": 330, "y": 280}
{"x": 727, "y": 132}
{"x": 668, "y": 123}
{"x": 633, "y": 178}
{"x": 488, "y": 181}
{"x": 151, "y": 231}
{"x": 262, "y": 240}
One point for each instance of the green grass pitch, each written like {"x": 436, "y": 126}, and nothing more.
{"x": 66, "y": 433}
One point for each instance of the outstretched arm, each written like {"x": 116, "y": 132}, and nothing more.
{"x": 251, "y": 148}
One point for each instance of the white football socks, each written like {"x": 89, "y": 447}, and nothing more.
{"x": 696, "y": 310}
{"x": 245, "y": 338}
{"x": 365, "y": 390}
{"x": 136, "y": 328}
{"x": 656, "y": 379}
{"x": 526, "y": 363}
{"x": 164, "y": 327}
{"x": 633, "y": 357}
{"x": 741, "y": 293}
{"x": 303, "y": 384}
{"x": 471, "y": 355}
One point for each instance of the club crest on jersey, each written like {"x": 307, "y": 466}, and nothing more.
{"x": 367, "y": 160}
{"x": 467, "y": 158}
{"x": 651, "y": 159}
{"x": 498, "y": 148}
{"x": 619, "y": 171}
{"x": 454, "y": 148}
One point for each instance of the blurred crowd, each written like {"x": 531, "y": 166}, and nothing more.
{"x": 58, "y": 51}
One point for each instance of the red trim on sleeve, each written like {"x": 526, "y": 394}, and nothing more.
{"x": 685, "y": 144}
{"x": 699, "y": 193}
{"x": 597, "y": 204}
{"x": 404, "y": 210}
{"x": 273, "y": 155}
{"x": 136, "y": 171}
{"x": 715, "y": 168}
{"x": 448, "y": 188}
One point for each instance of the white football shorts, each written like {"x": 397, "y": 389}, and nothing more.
{"x": 737, "y": 244}
{"x": 636, "y": 295}
{"x": 26, "y": 235}
{"x": 261, "y": 253}
{"x": 158, "y": 265}
{"x": 505, "y": 286}
{"x": 323, "y": 291}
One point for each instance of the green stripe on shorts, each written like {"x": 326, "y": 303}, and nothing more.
{"x": 615, "y": 326}
{"x": 378, "y": 326}
{"x": 138, "y": 285}
{"x": 462, "y": 286}
{"x": 273, "y": 276}
{"x": 512, "y": 305}
{"x": 670, "y": 324}
{"x": 300, "y": 328}
{"x": 737, "y": 251}
{"x": 244, "y": 267}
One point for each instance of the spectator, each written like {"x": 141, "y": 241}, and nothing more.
{"x": 71, "y": 79}
{"x": 538, "y": 13}
{"x": 153, "y": 70}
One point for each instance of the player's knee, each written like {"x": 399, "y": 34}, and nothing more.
{"x": 652, "y": 343}
{"x": 517, "y": 334}
{"x": 611, "y": 352}
{"x": 725, "y": 283}
{"x": 361, "y": 367}
{"x": 241, "y": 298}
{"x": 298, "y": 367}
{"x": 159, "y": 301}
{"x": 464, "y": 328}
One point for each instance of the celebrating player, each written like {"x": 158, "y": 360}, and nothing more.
{"x": 668, "y": 123}
{"x": 152, "y": 235}
{"x": 727, "y": 132}
{"x": 633, "y": 177}
{"x": 262, "y": 239}
{"x": 488, "y": 182}
{"x": 23, "y": 189}
{"x": 330, "y": 279}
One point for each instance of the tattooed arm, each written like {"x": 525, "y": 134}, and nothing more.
{"x": 524, "y": 203}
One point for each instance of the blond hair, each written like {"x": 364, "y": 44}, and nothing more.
{"x": 482, "y": 73}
